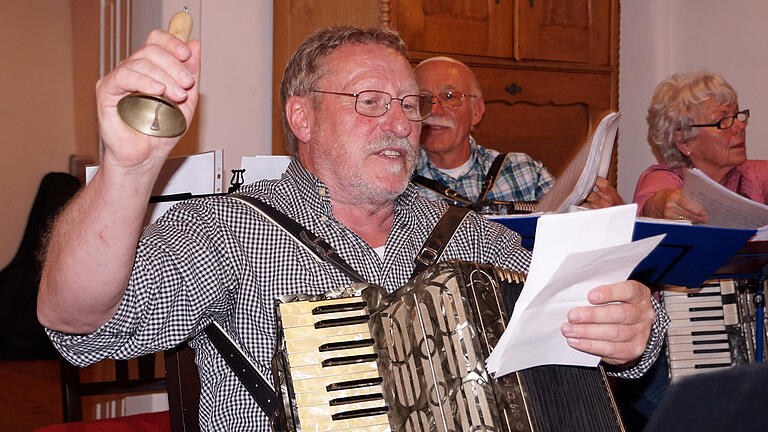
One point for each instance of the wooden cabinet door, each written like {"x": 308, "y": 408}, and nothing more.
{"x": 546, "y": 114}
{"x": 470, "y": 27}
{"x": 577, "y": 31}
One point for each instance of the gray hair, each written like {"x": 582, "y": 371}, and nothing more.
{"x": 307, "y": 64}
{"x": 673, "y": 106}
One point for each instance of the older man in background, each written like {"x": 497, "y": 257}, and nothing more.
{"x": 452, "y": 157}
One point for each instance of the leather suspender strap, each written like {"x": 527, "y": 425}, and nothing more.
{"x": 488, "y": 181}
{"x": 312, "y": 243}
{"x": 257, "y": 384}
{"x": 439, "y": 237}
{"x": 440, "y": 189}
{"x": 491, "y": 176}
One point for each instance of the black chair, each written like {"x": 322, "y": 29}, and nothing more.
{"x": 73, "y": 390}
{"x": 183, "y": 386}
{"x": 23, "y": 337}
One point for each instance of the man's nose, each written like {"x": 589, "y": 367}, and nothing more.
{"x": 394, "y": 121}
{"x": 437, "y": 106}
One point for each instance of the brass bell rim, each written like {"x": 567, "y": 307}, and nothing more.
{"x": 152, "y": 115}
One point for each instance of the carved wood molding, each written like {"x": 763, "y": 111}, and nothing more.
{"x": 385, "y": 14}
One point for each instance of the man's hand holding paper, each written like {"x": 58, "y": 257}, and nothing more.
{"x": 576, "y": 306}
{"x": 618, "y": 328}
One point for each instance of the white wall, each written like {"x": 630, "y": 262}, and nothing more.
{"x": 660, "y": 37}
{"x": 236, "y": 80}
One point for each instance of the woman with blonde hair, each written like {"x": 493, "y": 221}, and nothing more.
{"x": 694, "y": 121}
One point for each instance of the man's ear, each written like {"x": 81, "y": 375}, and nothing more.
{"x": 297, "y": 112}
{"x": 478, "y": 109}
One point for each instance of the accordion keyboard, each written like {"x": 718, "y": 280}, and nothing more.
{"x": 333, "y": 365}
{"x": 711, "y": 328}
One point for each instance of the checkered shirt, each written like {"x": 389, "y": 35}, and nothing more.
{"x": 215, "y": 258}
{"x": 521, "y": 178}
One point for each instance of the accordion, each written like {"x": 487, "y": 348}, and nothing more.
{"x": 359, "y": 358}
{"x": 712, "y": 327}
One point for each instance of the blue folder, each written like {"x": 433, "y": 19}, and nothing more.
{"x": 688, "y": 255}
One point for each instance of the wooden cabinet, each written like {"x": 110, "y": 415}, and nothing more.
{"x": 547, "y": 68}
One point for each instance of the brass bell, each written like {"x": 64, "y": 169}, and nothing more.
{"x": 157, "y": 115}
{"x": 152, "y": 115}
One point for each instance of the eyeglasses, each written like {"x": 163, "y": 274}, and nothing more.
{"x": 726, "y": 122}
{"x": 374, "y": 103}
{"x": 453, "y": 99}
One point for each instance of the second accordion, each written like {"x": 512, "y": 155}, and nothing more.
{"x": 360, "y": 359}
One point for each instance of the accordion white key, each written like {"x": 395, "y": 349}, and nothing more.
{"x": 360, "y": 359}
{"x": 711, "y": 327}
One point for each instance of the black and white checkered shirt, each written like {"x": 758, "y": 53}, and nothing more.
{"x": 215, "y": 258}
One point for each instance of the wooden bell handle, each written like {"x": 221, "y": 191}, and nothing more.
{"x": 181, "y": 25}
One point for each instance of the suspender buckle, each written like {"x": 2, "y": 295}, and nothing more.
{"x": 427, "y": 256}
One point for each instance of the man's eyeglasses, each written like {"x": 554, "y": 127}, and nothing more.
{"x": 374, "y": 103}
{"x": 452, "y": 99}
{"x": 726, "y": 122}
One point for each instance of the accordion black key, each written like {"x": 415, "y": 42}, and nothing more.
{"x": 358, "y": 358}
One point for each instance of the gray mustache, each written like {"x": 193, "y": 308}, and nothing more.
{"x": 389, "y": 141}
{"x": 438, "y": 121}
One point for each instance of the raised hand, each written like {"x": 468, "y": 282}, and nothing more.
{"x": 164, "y": 66}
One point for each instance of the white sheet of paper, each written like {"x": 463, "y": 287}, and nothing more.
{"x": 536, "y": 338}
{"x": 592, "y": 160}
{"x": 197, "y": 174}
{"x": 557, "y": 236}
{"x": 724, "y": 208}
{"x": 263, "y": 167}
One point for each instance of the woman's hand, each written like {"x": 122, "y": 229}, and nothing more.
{"x": 672, "y": 204}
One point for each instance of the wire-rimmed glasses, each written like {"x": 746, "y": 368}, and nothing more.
{"x": 453, "y": 99}
{"x": 375, "y": 103}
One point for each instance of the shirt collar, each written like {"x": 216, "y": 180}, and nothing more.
{"x": 425, "y": 164}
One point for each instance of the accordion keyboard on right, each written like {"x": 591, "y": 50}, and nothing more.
{"x": 362, "y": 359}
{"x": 712, "y": 327}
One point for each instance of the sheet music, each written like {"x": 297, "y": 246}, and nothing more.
{"x": 725, "y": 209}
{"x": 196, "y": 174}
{"x": 574, "y": 253}
{"x": 578, "y": 179}
{"x": 263, "y": 167}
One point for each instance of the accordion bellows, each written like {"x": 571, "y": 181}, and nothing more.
{"x": 359, "y": 358}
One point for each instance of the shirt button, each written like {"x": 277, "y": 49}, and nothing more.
{"x": 324, "y": 218}
{"x": 321, "y": 191}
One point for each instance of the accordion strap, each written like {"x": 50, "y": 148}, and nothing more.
{"x": 246, "y": 372}
{"x": 456, "y": 197}
{"x": 439, "y": 237}
{"x": 491, "y": 176}
{"x": 441, "y": 189}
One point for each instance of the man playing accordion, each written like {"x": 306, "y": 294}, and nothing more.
{"x": 352, "y": 114}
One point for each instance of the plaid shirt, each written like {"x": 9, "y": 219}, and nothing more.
{"x": 521, "y": 178}
{"x": 215, "y": 258}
